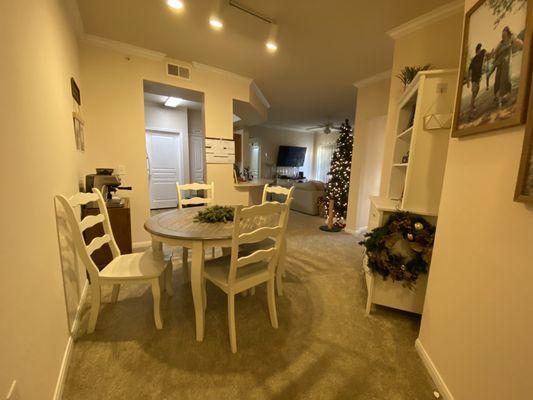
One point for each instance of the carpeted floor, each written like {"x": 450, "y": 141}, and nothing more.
{"x": 325, "y": 347}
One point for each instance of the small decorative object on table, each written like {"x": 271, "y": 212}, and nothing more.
{"x": 401, "y": 249}
{"x": 215, "y": 214}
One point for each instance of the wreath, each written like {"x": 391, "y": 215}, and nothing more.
{"x": 401, "y": 249}
{"x": 214, "y": 214}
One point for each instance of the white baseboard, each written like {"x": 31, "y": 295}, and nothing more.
{"x": 136, "y": 246}
{"x": 58, "y": 393}
{"x": 433, "y": 372}
{"x": 76, "y": 323}
{"x": 359, "y": 231}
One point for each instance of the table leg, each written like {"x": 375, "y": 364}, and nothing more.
{"x": 197, "y": 267}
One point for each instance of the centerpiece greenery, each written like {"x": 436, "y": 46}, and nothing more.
{"x": 215, "y": 214}
{"x": 401, "y": 249}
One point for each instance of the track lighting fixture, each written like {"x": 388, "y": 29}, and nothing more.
{"x": 272, "y": 41}
{"x": 175, "y": 4}
{"x": 215, "y": 20}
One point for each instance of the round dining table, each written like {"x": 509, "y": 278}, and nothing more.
{"x": 178, "y": 228}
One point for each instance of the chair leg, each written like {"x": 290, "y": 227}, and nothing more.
{"x": 271, "y": 295}
{"x": 168, "y": 279}
{"x": 156, "y": 293}
{"x": 95, "y": 306}
{"x": 204, "y": 293}
{"x": 279, "y": 281}
{"x": 185, "y": 260}
{"x": 114, "y": 294}
{"x": 231, "y": 323}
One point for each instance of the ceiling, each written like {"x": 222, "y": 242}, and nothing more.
{"x": 324, "y": 46}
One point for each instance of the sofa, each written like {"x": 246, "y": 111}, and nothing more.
{"x": 305, "y": 196}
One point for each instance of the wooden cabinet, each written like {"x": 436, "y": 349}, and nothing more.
{"x": 120, "y": 219}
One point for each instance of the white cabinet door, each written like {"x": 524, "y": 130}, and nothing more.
{"x": 197, "y": 156}
{"x": 164, "y": 168}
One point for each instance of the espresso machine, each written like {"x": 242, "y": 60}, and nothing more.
{"x": 108, "y": 183}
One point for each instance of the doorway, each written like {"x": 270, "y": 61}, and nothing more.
{"x": 175, "y": 141}
{"x": 255, "y": 158}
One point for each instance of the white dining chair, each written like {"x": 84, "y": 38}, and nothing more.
{"x": 238, "y": 273}
{"x": 123, "y": 268}
{"x": 209, "y": 191}
{"x": 280, "y": 267}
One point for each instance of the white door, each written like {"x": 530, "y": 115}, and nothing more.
{"x": 197, "y": 156}
{"x": 164, "y": 169}
{"x": 255, "y": 159}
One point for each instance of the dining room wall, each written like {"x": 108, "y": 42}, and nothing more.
{"x": 39, "y": 160}
{"x": 113, "y": 75}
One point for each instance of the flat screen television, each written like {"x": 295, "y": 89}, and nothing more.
{"x": 291, "y": 156}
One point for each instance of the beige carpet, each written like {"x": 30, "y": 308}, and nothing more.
{"x": 325, "y": 347}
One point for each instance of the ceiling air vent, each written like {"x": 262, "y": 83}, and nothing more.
{"x": 178, "y": 71}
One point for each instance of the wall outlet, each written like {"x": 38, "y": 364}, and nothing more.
{"x": 13, "y": 393}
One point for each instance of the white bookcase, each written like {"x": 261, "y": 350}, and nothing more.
{"x": 415, "y": 184}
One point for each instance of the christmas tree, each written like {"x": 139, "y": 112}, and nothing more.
{"x": 339, "y": 183}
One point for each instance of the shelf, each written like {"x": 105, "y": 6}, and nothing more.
{"x": 400, "y": 165}
{"x": 405, "y": 135}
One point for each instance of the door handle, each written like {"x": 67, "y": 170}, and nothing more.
{"x": 148, "y": 167}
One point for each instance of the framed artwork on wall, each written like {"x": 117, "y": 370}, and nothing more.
{"x": 495, "y": 67}
{"x": 524, "y": 183}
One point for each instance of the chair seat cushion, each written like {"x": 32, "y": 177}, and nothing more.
{"x": 135, "y": 266}
{"x": 217, "y": 270}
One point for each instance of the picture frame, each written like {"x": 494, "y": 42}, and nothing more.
{"x": 495, "y": 69}
{"x": 524, "y": 182}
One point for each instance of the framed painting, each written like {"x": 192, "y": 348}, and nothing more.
{"x": 495, "y": 67}
{"x": 524, "y": 183}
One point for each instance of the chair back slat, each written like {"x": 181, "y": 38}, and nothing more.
{"x": 280, "y": 190}
{"x": 97, "y": 242}
{"x": 91, "y": 220}
{"x": 81, "y": 199}
{"x": 256, "y": 256}
{"x": 259, "y": 234}
{"x": 77, "y": 228}
{"x": 269, "y": 224}
{"x": 208, "y": 188}
{"x": 262, "y": 210}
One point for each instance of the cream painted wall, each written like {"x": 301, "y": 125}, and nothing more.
{"x": 39, "y": 159}
{"x": 272, "y": 138}
{"x": 477, "y": 324}
{"x": 435, "y": 44}
{"x": 115, "y": 129}
{"x": 367, "y": 159}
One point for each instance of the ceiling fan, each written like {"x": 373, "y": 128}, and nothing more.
{"x": 327, "y": 127}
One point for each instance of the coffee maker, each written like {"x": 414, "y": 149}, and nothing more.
{"x": 108, "y": 183}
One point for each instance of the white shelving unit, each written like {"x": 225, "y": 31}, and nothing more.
{"x": 415, "y": 185}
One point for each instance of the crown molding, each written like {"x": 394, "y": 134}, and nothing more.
{"x": 259, "y": 94}
{"x": 205, "y": 67}
{"x": 122, "y": 47}
{"x": 431, "y": 17}
{"x": 373, "y": 79}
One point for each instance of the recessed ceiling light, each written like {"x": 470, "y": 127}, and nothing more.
{"x": 272, "y": 41}
{"x": 172, "y": 102}
{"x": 175, "y": 4}
{"x": 216, "y": 22}
{"x": 271, "y": 46}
